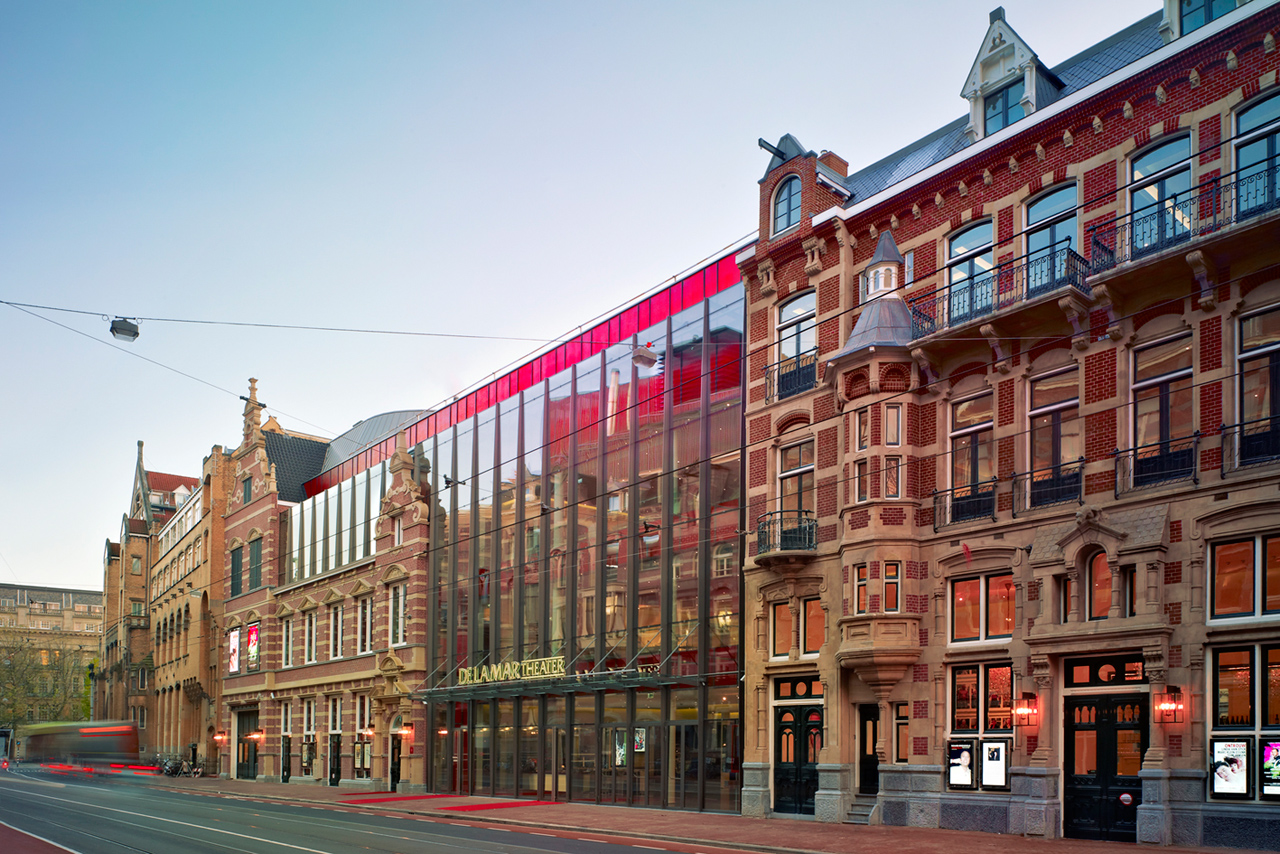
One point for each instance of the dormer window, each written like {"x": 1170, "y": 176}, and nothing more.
{"x": 1194, "y": 14}
{"x": 1003, "y": 108}
{"x": 786, "y": 205}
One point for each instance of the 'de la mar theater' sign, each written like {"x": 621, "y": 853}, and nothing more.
{"x": 535, "y": 668}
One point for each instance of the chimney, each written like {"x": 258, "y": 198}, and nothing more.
{"x": 997, "y": 14}
{"x": 834, "y": 162}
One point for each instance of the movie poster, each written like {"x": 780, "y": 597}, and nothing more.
{"x": 639, "y": 739}
{"x": 995, "y": 764}
{"x": 1270, "y": 765}
{"x": 960, "y": 774}
{"x": 251, "y": 640}
{"x": 620, "y": 748}
{"x": 1229, "y": 769}
{"x": 233, "y": 642}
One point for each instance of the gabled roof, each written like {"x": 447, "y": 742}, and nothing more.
{"x": 296, "y": 460}
{"x": 1088, "y": 66}
{"x": 791, "y": 148}
{"x": 162, "y": 482}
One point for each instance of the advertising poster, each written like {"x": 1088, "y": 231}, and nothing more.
{"x": 233, "y": 642}
{"x": 1229, "y": 769}
{"x": 639, "y": 740}
{"x": 619, "y": 748}
{"x": 1270, "y": 765}
{"x": 960, "y": 774}
{"x": 251, "y": 640}
{"x": 995, "y": 764}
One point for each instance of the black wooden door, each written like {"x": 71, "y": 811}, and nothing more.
{"x": 247, "y": 746}
{"x": 797, "y": 740}
{"x": 868, "y": 759}
{"x": 286, "y": 758}
{"x": 1106, "y": 738}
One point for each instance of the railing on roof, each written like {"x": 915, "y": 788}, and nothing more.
{"x": 1020, "y": 279}
{"x": 1205, "y": 209}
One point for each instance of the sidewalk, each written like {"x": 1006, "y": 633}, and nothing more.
{"x": 753, "y": 834}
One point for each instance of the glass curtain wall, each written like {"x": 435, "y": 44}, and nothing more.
{"x": 593, "y": 516}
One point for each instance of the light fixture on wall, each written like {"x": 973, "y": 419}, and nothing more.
{"x": 1027, "y": 711}
{"x": 1169, "y": 706}
{"x": 406, "y": 731}
{"x": 220, "y": 737}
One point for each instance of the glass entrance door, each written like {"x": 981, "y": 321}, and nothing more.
{"x": 646, "y": 766}
{"x": 247, "y": 747}
{"x": 797, "y": 740}
{"x": 1106, "y": 738}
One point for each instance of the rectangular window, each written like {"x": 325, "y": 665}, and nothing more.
{"x": 286, "y": 643}
{"x": 142, "y": 716}
{"x": 255, "y": 564}
{"x": 861, "y": 480}
{"x": 237, "y": 570}
{"x": 972, "y": 485}
{"x": 861, "y": 597}
{"x": 796, "y": 478}
{"x": 892, "y": 574}
{"x": 399, "y": 613}
{"x": 309, "y": 716}
{"x": 248, "y": 490}
{"x": 893, "y": 424}
{"x": 815, "y": 626}
{"x": 1245, "y": 577}
{"x": 1056, "y": 447}
{"x": 286, "y": 718}
{"x": 909, "y": 260}
{"x": 399, "y": 539}
{"x": 1197, "y": 13}
{"x": 309, "y": 638}
{"x": 1003, "y": 108}
{"x": 335, "y": 631}
{"x": 364, "y": 625}
{"x": 862, "y": 426}
{"x": 1244, "y": 708}
{"x": 901, "y": 733}
{"x": 985, "y": 706}
{"x": 782, "y": 629}
{"x": 1258, "y": 433}
{"x": 335, "y": 714}
{"x": 1162, "y": 423}
{"x": 1233, "y": 688}
{"x": 893, "y": 477}
{"x": 982, "y": 608}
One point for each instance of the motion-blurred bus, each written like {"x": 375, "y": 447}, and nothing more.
{"x": 90, "y": 748}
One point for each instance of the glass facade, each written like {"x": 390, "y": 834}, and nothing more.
{"x": 581, "y": 627}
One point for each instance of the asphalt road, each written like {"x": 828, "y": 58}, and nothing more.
{"x": 124, "y": 817}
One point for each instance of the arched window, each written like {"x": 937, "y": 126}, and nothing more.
{"x": 1099, "y": 587}
{"x": 1257, "y": 165}
{"x": 796, "y": 370}
{"x": 1051, "y": 234}
{"x": 1161, "y": 199}
{"x": 786, "y": 205}
{"x": 969, "y": 267}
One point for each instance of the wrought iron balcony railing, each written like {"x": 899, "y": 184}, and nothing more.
{"x": 1250, "y": 443}
{"x": 1060, "y": 484}
{"x": 791, "y": 376}
{"x": 1158, "y": 464}
{"x": 1213, "y": 205}
{"x": 787, "y": 531}
{"x": 1018, "y": 280}
{"x": 964, "y": 504}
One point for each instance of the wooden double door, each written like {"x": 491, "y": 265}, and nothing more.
{"x": 1106, "y": 737}
{"x": 797, "y": 741}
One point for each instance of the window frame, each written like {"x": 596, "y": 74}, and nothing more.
{"x": 1270, "y": 132}
{"x": 1006, "y": 107}
{"x": 286, "y": 642}
{"x": 336, "y": 630}
{"x": 1164, "y": 200}
{"x": 364, "y": 625}
{"x": 776, "y": 608}
{"x": 985, "y": 635}
{"x": 1264, "y": 354}
{"x": 397, "y": 615}
{"x": 309, "y": 638}
{"x": 1166, "y": 379}
{"x": 891, "y": 581}
{"x": 806, "y": 626}
{"x": 804, "y": 473}
{"x": 793, "y": 189}
{"x": 1205, "y": 6}
{"x": 983, "y": 709}
{"x": 1259, "y": 581}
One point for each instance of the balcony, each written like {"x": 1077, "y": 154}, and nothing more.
{"x": 791, "y": 376}
{"x": 1019, "y": 280}
{"x": 1249, "y": 444}
{"x": 786, "y": 537}
{"x": 964, "y": 504}
{"x": 1157, "y": 464}
{"x": 1209, "y": 208}
{"x": 1047, "y": 487}
{"x": 137, "y": 621}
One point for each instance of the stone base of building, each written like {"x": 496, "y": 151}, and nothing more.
{"x": 910, "y": 795}
{"x": 1174, "y": 812}
{"x": 756, "y": 799}
{"x": 914, "y": 796}
{"x": 831, "y": 803}
{"x": 1035, "y": 807}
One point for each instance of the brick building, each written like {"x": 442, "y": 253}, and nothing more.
{"x": 124, "y": 688}
{"x": 1011, "y": 452}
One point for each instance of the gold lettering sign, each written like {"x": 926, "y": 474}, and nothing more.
{"x": 512, "y": 671}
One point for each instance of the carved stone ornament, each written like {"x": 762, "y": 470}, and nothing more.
{"x": 1128, "y": 110}
{"x": 1039, "y": 151}
{"x": 1194, "y": 78}
{"x": 1067, "y": 139}
{"x": 1097, "y": 124}
{"x": 937, "y": 199}
{"x": 766, "y": 271}
{"x": 893, "y": 222}
{"x": 963, "y": 189}
{"x": 1268, "y": 43}
{"x": 1013, "y": 164}
{"x": 986, "y": 177}
{"x": 915, "y": 211}
{"x": 1162, "y": 94}
{"x": 1232, "y": 62}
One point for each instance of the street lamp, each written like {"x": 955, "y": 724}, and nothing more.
{"x": 124, "y": 329}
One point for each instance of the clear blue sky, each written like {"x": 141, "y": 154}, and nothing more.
{"x": 510, "y": 169}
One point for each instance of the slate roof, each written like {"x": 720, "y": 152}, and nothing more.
{"x": 296, "y": 459}
{"x": 884, "y": 322}
{"x": 1107, "y": 56}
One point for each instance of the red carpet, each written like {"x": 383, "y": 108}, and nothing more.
{"x": 399, "y": 798}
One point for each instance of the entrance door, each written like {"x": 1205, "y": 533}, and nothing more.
{"x": 1106, "y": 738}
{"x": 797, "y": 740}
{"x": 247, "y": 746}
{"x": 555, "y": 774}
{"x": 868, "y": 759}
{"x": 335, "y": 758}
{"x": 646, "y": 766}
{"x": 286, "y": 758}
